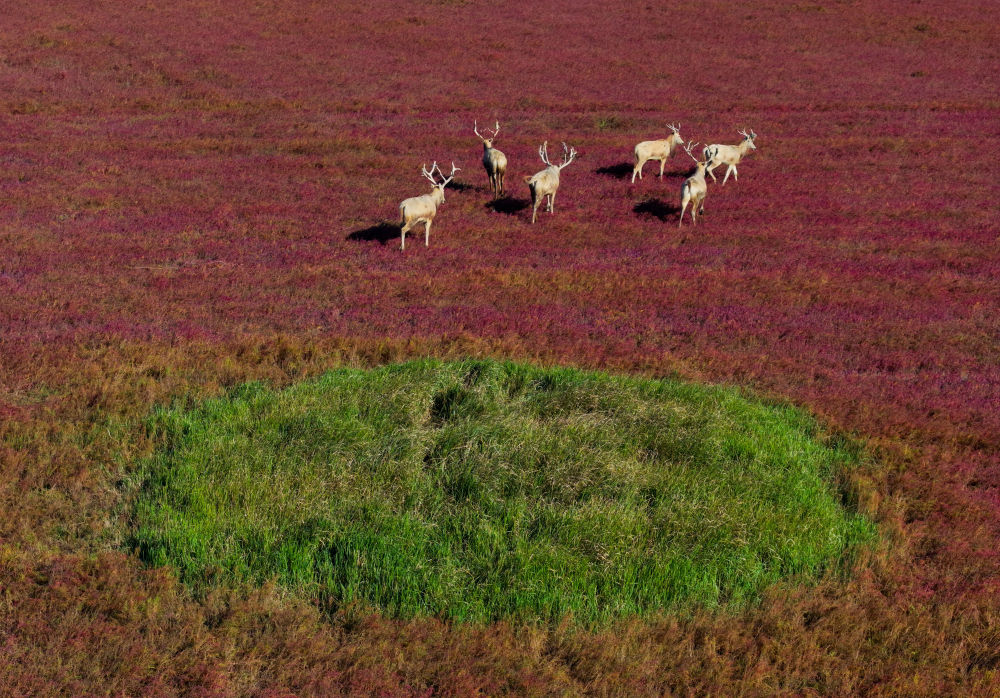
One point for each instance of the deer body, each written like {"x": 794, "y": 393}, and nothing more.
{"x": 494, "y": 162}
{"x": 694, "y": 190}
{"x": 543, "y": 184}
{"x": 422, "y": 209}
{"x": 546, "y": 183}
{"x": 656, "y": 150}
{"x": 419, "y": 209}
{"x": 730, "y": 155}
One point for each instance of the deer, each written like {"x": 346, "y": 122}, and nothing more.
{"x": 494, "y": 161}
{"x": 731, "y": 155}
{"x": 694, "y": 189}
{"x": 422, "y": 209}
{"x": 656, "y": 150}
{"x": 546, "y": 182}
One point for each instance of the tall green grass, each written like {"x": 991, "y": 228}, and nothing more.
{"x": 480, "y": 490}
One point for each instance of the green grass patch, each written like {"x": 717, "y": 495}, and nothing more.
{"x": 479, "y": 490}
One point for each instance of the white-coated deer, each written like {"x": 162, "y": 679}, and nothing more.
{"x": 494, "y": 161}
{"x": 694, "y": 189}
{"x": 546, "y": 182}
{"x": 656, "y": 150}
{"x": 731, "y": 155}
{"x": 422, "y": 209}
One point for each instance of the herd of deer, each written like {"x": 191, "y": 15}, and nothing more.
{"x": 545, "y": 183}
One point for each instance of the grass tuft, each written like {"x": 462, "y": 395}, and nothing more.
{"x": 480, "y": 490}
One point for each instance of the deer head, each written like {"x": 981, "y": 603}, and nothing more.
{"x": 676, "y": 136}
{"x": 748, "y": 138}
{"x": 489, "y": 138}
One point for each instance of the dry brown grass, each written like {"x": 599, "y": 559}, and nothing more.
{"x": 918, "y": 619}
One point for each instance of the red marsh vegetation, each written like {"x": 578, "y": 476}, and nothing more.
{"x": 197, "y": 193}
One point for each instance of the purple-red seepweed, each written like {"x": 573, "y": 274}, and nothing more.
{"x": 194, "y": 181}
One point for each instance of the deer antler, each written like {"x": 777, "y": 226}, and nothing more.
{"x": 688, "y": 148}
{"x": 475, "y": 127}
{"x": 743, "y": 133}
{"x": 449, "y": 177}
{"x": 753, "y": 135}
{"x": 434, "y": 167}
{"x": 429, "y": 175}
{"x": 675, "y": 129}
{"x": 543, "y": 153}
{"x": 444, "y": 180}
{"x": 568, "y": 155}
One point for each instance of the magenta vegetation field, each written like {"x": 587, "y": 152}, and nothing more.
{"x": 197, "y": 193}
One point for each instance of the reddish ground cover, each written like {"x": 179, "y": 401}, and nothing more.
{"x": 197, "y": 194}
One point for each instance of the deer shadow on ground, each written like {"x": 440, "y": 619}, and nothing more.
{"x": 381, "y": 232}
{"x": 656, "y": 208}
{"x": 652, "y": 171}
{"x": 622, "y": 170}
{"x": 455, "y": 185}
{"x": 508, "y": 204}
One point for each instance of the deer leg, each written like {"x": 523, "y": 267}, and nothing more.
{"x": 403, "y": 232}
{"x": 728, "y": 172}
{"x": 427, "y": 233}
{"x": 684, "y": 205}
{"x": 534, "y": 208}
{"x": 709, "y": 171}
{"x": 663, "y": 163}
{"x": 552, "y": 202}
{"x": 637, "y": 170}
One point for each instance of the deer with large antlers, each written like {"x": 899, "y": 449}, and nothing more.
{"x": 494, "y": 161}
{"x": 422, "y": 209}
{"x": 731, "y": 155}
{"x": 694, "y": 189}
{"x": 656, "y": 150}
{"x": 545, "y": 183}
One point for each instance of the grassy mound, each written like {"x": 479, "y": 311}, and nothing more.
{"x": 480, "y": 490}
